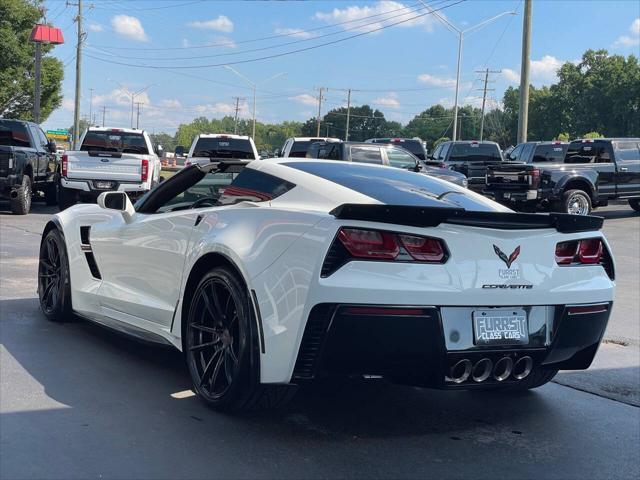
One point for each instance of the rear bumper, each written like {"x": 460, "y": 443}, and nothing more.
{"x": 420, "y": 344}
{"x": 90, "y": 188}
{"x": 7, "y": 184}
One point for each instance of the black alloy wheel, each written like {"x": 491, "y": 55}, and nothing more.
{"x": 54, "y": 290}
{"x": 221, "y": 346}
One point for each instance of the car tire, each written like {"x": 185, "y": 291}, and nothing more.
{"x": 51, "y": 195}
{"x": 21, "y": 204}
{"x": 635, "y": 204}
{"x": 54, "y": 281}
{"x": 221, "y": 347}
{"x": 576, "y": 202}
{"x": 67, "y": 197}
{"x": 535, "y": 379}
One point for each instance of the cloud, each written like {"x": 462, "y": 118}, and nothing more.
{"x": 68, "y": 104}
{"x": 437, "y": 81}
{"x": 120, "y": 96}
{"x": 170, "y": 103}
{"x": 390, "y": 101}
{"x": 216, "y": 108}
{"x": 631, "y": 40}
{"x": 294, "y": 32}
{"x": 542, "y": 72}
{"x": 511, "y": 75}
{"x": 220, "y": 24}
{"x": 95, "y": 27}
{"x": 129, "y": 27}
{"x": 223, "y": 41}
{"x": 305, "y": 99}
{"x": 354, "y": 13}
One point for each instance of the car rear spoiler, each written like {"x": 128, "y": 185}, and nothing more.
{"x": 416, "y": 216}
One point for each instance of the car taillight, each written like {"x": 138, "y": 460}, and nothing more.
{"x": 144, "y": 171}
{"x": 423, "y": 249}
{"x": 65, "y": 165}
{"x": 580, "y": 252}
{"x": 369, "y": 243}
{"x": 534, "y": 179}
{"x": 383, "y": 245}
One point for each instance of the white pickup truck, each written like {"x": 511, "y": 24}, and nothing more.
{"x": 121, "y": 159}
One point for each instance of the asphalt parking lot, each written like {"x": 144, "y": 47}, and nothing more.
{"x": 77, "y": 401}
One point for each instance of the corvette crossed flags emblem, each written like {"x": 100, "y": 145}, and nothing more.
{"x": 510, "y": 259}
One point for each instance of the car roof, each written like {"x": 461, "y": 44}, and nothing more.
{"x": 318, "y": 139}
{"x": 225, "y": 135}
{"x": 483, "y": 142}
{"x": 115, "y": 129}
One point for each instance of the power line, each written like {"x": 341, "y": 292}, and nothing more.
{"x": 270, "y": 37}
{"x": 276, "y": 55}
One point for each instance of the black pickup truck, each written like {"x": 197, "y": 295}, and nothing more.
{"x": 469, "y": 157}
{"x": 592, "y": 172}
{"x": 28, "y": 164}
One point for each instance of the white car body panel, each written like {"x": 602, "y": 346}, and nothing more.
{"x": 279, "y": 247}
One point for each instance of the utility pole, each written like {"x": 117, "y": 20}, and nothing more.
{"x": 138, "y": 115}
{"x": 346, "y": 134}
{"x": 76, "y": 109}
{"x": 484, "y": 95}
{"x": 235, "y": 121}
{"x": 321, "y": 89}
{"x": 104, "y": 113}
{"x": 90, "y": 104}
{"x": 523, "y": 111}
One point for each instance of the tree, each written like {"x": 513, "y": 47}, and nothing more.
{"x": 17, "y": 69}
{"x": 562, "y": 137}
{"x": 364, "y": 123}
{"x": 592, "y": 135}
{"x": 167, "y": 141}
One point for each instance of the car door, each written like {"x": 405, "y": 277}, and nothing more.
{"x": 627, "y": 155}
{"x": 41, "y": 162}
{"x": 399, "y": 158}
{"x": 141, "y": 262}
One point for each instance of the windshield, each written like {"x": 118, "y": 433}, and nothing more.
{"x": 299, "y": 149}
{"x": 474, "y": 152}
{"x": 224, "y": 147}
{"x": 394, "y": 186}
{"x": 114, "y": 141}
{"x": 13, "y": 134}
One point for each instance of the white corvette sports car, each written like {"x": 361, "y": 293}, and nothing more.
{"x": 267, "y": 274}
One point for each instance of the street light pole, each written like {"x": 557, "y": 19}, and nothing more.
{"x": 253, "y": 86}
{"x": 523, "y": 111}
{"x": 461, "y": 34}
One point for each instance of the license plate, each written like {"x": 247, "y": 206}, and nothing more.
{"x": 104, "y": 185}
{"x": 500, "y": 327}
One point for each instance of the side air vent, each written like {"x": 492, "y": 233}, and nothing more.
{"x": 315, "y": 332}
{"x": 85, "y": 245}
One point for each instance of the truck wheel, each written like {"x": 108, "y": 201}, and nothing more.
{"x": 635, "y": 204}
{"x": 51, "y": 195}
{"x": 67, "y": 197}
{"x": 576, "y": 202}
{"x": 21, "y": 203}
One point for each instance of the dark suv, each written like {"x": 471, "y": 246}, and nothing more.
{"x": 28, "y": 164}
{"x": 387, "y": 155}
{"x": 469, "y": 157}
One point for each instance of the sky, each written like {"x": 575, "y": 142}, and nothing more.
{"x": 395, "y": 56}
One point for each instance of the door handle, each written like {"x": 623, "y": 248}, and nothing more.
{"x": 198, "y": 220}
{"x": 624, "y": 169}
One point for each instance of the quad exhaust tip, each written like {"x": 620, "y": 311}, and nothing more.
{"x": 502, "y": 369}
{"x": 460, "y": 371}
{"x": 13, "y": 194}
{"x": 522, "y": 368}
{"x": 482, "y": 370}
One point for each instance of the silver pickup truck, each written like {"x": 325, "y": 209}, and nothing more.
{"x": 121, "y": 159}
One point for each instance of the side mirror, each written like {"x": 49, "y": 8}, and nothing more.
{"x": 159, "y": 150}
{"x": 52, "y": 146}
{"x": 117, "y": 201}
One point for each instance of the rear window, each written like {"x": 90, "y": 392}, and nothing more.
{"x": 474, "y": 151}
{"x": 221, "y": 147}
{"x": 549, "y": 153}
{"x": 325, "y": 151}
{"x": 299, "y": 149}
{"x": 254, "y": 186}
{"x": 366, "y": 155}
{"x": 414, "y": 146}
{"x": 13, "y": 134}
{"x": 396, "y": 187}
{"x": 113, "y": 141}
{"x": 588, "y": 152}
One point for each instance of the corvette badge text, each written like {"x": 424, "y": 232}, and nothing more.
{"x": 512, "y": 287}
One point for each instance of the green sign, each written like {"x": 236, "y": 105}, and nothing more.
{"x": 60, "y": 131}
